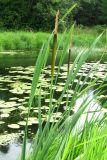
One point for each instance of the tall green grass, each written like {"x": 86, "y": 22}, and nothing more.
{"x": 27, "y": 41}
{"x": 62, "y": 140}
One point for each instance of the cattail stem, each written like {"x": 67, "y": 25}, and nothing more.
{"x": 69, "y": 59}
{"x": 69, "y": 54}
{"x": 54, "y": 50}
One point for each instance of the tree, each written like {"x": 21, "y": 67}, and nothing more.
{"x": 103, "y": 8}
{"x": 88, "y": 12}
{"x": 40, "y": 14}
{"x": 34, "y": 14}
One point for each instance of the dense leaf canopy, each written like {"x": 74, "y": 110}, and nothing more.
{"x": 39, "y": 14}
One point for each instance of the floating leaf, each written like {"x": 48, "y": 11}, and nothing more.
{"x": 14, "y": 126}
{"x": 4, "y": 115}
{"x": 2, "y": 122}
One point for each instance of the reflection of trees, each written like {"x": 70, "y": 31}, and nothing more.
{"x": 4, "y": 148}
{"x": 20, "y": 140}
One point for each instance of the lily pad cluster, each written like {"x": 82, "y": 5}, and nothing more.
{"x": 15, "y": 87}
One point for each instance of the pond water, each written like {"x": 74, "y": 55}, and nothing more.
{"x": 12, "y": 150}
{"x": 16, "y": 73}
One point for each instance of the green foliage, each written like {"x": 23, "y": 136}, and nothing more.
{"x": 31, "y": 14}
{"x": 88, "y": 12}
{"x": 39, "y": 15}
{"x": 61, "y": 140}
{"x": 91, "y": 12}
{"x": 28, "y": 41}
{"x": 103, "y": 8}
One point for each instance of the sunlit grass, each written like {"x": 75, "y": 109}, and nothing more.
{"x": 21, "y": 40}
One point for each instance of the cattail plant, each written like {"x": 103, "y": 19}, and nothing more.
{"x": 69, "y": 54}
{"x": 54, "y": 43}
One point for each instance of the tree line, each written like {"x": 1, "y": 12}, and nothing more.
{"x": 39, "y": 14}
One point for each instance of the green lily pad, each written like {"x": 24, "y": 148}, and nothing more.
{"x": 23, "y": 108}
{"x": 48, "y": 100}
{"x": 13, "y": 98}
{"x": 21, "y": 100}
{"x": 2, "y": 122}
{"x": 45, "y": 108}
{"x": 22, "y": 123}
{"x": 14, "y": 126}
{"x": 8, "y": 104}
{"x": 5, "y": 115}
{"x": 57, "y": 114}
{"x": 59, "y": 89}
{"x": 4, "y": 139}
{"x": 8, "y": 110}
{"x": 35, "y": 111}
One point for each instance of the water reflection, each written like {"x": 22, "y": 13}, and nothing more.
{"x": 12, "y": 151}
{"x": 4, "y": 148}
{"x": 93, "y": 111}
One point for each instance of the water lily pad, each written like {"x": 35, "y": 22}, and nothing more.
{"x": 45, "y": 107}
{"x": 24, "y": 112}
{"x": 67, "y": 95}
{"x": 61, "y": 84}
{"x": 35, "y": 111}
{"x": 13, "y": 98}
{"x": 21, "y": 100}
{"x": 4, "y": 139}
{"x": 63, "y": 77}
{"x": 70, "y": 91}
{"x": 4, "y": 115}
{"x": 14, "y": 126}
{"x": 2, "y": 122}
{"x": 57, "y": 114}
{"x": 8, "y": 104}
{"x": 26, "y": 97}
{"x": 33, "y": 120}
{"x": 63, "y": 102}
{"x": 17, "y": 91}
{"x": 48, "y": 100}
{"x": 2, "y": 101}
{"x": 23, "y": 108}
{"x": 28, "y": 91}
{"x": 64, "y": 74}
{"x": 22, "y": 123}
{"x": 7, "y": 110}
{"x": 59, "y": 89}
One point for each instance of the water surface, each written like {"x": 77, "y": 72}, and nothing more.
{"x": 16, "y": 73}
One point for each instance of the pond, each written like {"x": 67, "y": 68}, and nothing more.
{"x": 16, "y": 73}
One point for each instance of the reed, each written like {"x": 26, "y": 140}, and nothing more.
{"x": 69, "y": 54}
{"x": 58, "y": 141}
{"x": 66, "y": 140}
{"x": 54, "y": 49}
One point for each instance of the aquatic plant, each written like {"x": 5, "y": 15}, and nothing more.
{"x": 69, "y": 54}
{"x": 58, "y": 141}
{"x": 54, "y": 49}
{"x": 63, "y": 139}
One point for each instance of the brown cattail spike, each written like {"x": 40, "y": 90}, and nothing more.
{"x": 56, "y": 22}
{"x": 54, "y": 49}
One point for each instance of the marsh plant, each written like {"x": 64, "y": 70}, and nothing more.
{"x": 67, "y": 138}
